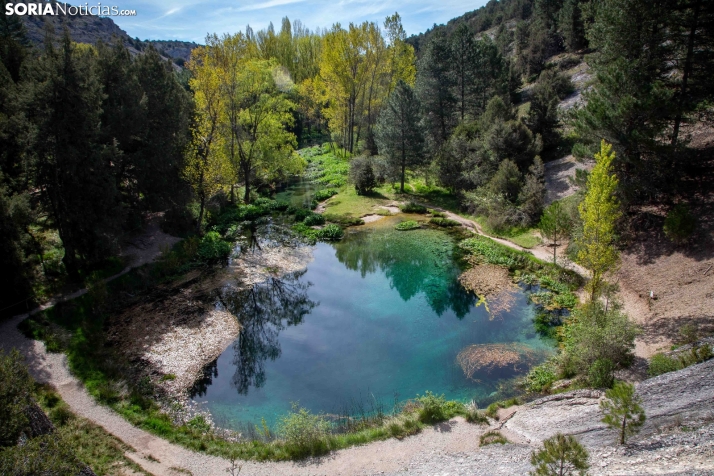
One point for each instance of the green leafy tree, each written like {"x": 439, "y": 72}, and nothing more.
{"x": 399, "y": 134}
{"x": 623, "y": 410}
{"x": 599, "y": 211}
{"x": 555, "y": 225}
{"x": 561, "y": 456}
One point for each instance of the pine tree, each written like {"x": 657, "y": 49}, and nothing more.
{"x": 599, "y": 212}
{"x": 399, "y": 134}
{"x": 623, "y": 410}
{"x": 71, "y": 169}
{"x": 435, "y": 85}
{"x": 571, "y": 25}
{"x": 561, "y": 456}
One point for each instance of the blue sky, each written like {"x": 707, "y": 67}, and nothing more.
{"x": 190, "y": 20}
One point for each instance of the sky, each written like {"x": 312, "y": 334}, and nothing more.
{"x": 191, "y": 20}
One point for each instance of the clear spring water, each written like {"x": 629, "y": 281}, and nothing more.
{"x": 376, "y": 316}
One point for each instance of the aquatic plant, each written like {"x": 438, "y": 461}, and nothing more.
{"x": 486, "y": 357}
{"x": 444, "y": 222}
{"x": 407, "y": 225}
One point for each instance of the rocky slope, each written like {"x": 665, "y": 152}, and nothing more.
{"x": 92, "y": 29}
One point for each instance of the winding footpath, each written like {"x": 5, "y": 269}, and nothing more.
{"x": 448, "y": 448}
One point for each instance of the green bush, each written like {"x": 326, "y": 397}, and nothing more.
{"x": 679, "y": 223}
{"x": 661, "y": 364}
{"x": 212, "y": 248}
{"x": 322, "y": 195}
{"x": 411, "y": 207}
{"x": 593, "y": 333}
{"x": 362, "y": 175}
{"x": 407, "y": 225}
{"x": 492, "y": 437}
{"x": 314, "y": 219}
{"x": 300, "y": 213}
{"x": 435, "y": 408}
{"x": 305, "y": 433}
{"x": 444, "y": 222}
{"x": 600, "y": 373}
{"x": 540, "y": 378}
{"x": 330, "y": 232}
{"x": 15, "y": 394}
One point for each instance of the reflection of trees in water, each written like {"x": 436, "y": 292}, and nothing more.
{"x": 264, "y": 310}
{"x": 414, "y": 261}
{"x": 201, "y": 385}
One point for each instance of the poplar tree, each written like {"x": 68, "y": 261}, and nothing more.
{"x": 599, "y": 211}
{"x": 399, "y": 135}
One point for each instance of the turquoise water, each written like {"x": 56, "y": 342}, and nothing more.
{"x": 377, "y": 316}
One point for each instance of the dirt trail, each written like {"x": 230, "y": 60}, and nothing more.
{"x": 160, "y": 457}
{"x": 541, "y": 252}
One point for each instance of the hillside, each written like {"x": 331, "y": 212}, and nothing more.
{"x": 92, "y": 29}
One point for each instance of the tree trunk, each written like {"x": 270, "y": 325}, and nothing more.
{"x": 200, "y": 213}
{"x": 686, "y": 73}
{"x": 622, "y": 432}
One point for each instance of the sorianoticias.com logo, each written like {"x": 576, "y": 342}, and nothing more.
{"x": 57, "y": 8}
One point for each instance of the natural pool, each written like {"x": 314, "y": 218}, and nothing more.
{"x": 377, "y": 316}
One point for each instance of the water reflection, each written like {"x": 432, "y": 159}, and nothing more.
{"x": 264, "y": 309}
{"x": 414, "y": 261}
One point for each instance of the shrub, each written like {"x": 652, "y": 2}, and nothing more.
{"x": 582, "y": 151}
{"x": 561, "y": 456}
{"x": 492, "y": 437}
{"x": 407, "y": 225}
{"x": 305, "y": 433}
{"x": 322, "y": 195}
{"x": 314, "y": 219}
{"x": 362, "y": 175}
{"x": 600, "y": 373}
{"x": 622, "y": 410}
{"x": 300, "y": 213}
{"x": 411, "y": 207}
{"x": 492, "y": 409}
{"x": 661, "y": 364}
{"x": 679, "y": 223}
{"x": 435, "y": 408}
{"x": 212, "y": 248}
{"x": 444, "y": 222}
{"x": 688, "y": 334}
{"x": 540, "y": 378}
{"x": 592, "y": 333}
{"x": 473, "y": 415}
{"x": 330, "y": 232}
{"x": 15, "y": 394}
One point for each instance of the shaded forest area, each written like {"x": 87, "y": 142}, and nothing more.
{"x": 93, "y": 138}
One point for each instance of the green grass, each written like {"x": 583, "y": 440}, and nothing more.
{"x": 558, "y": 285}
{"x": 523, "y": 237}
{"x": 89, "y": 442}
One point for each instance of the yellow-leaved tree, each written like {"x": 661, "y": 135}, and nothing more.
{"x": 206, "y": 168}
{"x": 265, "y": 148}
{"x": 599, "y": 212}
